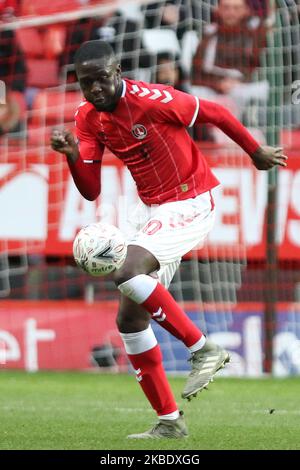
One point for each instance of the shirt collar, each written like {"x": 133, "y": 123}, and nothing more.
{"x": 124, "y": 89}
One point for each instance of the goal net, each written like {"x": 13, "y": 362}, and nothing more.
{"x": 243, "y": 287}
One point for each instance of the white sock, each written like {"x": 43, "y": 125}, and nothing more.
{"x": 199, "y": 345}
{"x": 170, "y": 416}
{"x": 139, "y": 288}
{"x": 139, "y": 342}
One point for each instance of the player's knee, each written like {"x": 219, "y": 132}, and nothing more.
{"x": 138, "y": 261}
{"x": 125, "y": 273}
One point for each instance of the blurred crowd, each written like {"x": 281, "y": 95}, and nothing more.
{"x": 214, "y": 49}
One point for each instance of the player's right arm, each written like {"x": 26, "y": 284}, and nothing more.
{"x": 64, "y": 142}
{"x": 84, "y": 159}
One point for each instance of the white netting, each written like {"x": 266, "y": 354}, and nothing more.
{"x": 36, "y": 238}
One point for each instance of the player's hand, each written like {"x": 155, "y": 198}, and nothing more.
{"x": 267, "y": 157}
{"x": 64, "y": 142}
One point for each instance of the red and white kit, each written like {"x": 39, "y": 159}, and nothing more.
{"x": 147, "y": 131}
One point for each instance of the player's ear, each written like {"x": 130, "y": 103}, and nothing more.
{"x": 118, "y": 69}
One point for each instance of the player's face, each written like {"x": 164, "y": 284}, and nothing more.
{"x": 100, "y": 82}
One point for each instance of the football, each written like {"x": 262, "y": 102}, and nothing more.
{"x": 99, "y": 249}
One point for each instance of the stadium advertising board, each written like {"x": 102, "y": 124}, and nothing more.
{"x": 74, "y": 335}
{"x": 43, "y": 210}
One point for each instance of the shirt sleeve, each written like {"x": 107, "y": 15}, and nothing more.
{"x": 216, "y": 114}
{"x": 86, "y": 170}
{"x": 91, "y": 150}
{"x": 174, "y": 106}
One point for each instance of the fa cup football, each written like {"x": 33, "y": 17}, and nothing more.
{"x": 99, "y": 248}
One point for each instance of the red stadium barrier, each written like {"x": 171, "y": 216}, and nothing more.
{"x": 66, "y": 335}
{"x": 54, "y": 335}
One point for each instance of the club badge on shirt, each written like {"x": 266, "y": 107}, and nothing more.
{"x": 139, "y": 131}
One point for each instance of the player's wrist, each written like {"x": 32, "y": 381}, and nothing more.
{"x": 257, "y": 152}
{"x": 73, "y": 155}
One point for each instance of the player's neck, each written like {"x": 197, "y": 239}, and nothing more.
{"x": 118, "y": 95}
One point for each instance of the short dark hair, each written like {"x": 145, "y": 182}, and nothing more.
{"x": 91, "y": 50}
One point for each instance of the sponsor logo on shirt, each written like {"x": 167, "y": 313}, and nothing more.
{"x": 163, "y": 96}
{"x": 139, "y": 131}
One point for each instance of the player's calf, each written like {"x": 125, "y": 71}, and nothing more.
{"x": 131, "y": 316}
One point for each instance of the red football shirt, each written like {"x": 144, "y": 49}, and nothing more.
{"x": 147, "y": 131}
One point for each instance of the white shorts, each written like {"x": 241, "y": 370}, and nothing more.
{"x": 171, "y": 230}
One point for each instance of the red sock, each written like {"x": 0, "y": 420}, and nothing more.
{"x": 165, "y": 310}
{"x": 153, "y": 380}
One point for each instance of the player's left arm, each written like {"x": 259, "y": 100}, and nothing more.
{"x": 263, "y": 157}
{"x": 183, "y": 109}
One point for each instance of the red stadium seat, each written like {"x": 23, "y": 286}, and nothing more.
{"x": 50, "y": 109}
{"x": 46, "y": 43}
{"x": 53, "y": 107}
{"x": 42, "y": 73}
{"x": 40, "y": 136}
{"x": 20, "y": 99}
{"x": 41, "y": 48}
{"x": 54, "y": 39}
{"x": 29, "y": 41}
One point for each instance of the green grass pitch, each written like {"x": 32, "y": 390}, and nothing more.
{"x": 96, "y": 411}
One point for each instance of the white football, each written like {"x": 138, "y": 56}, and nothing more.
{"x": 99, "y": 248}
